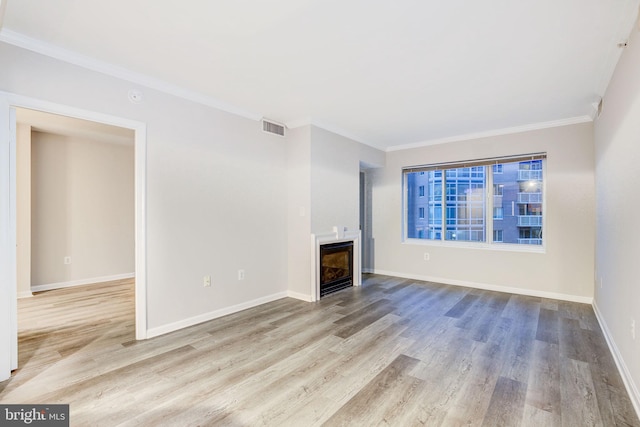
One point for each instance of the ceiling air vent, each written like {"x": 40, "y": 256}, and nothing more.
{"x": 272, "y": 127}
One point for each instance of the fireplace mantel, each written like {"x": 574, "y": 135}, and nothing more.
{"x": 339, "y": 234}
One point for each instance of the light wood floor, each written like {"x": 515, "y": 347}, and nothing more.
{"x": 394, "y": 352}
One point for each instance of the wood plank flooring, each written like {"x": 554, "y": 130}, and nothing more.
{"x": 393, "y": 352}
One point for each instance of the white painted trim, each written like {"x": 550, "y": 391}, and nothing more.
{"x": 328, "y": 127}
{"x": 67, "y": 110}
{"x": 494, "y": 132}
{"x": 632, "y": 388}
{"x": 50, "y": 50}
{"x": 13, "y": 234}
{"x": 300, "y": 296}
{"x": 47, "y": 49}
{"x": 25, "y": 294}
{"x": 140, "y": 207}
{"x": 185, "y": 323}
{"x": 6, "y": 304}
{"x": 140, "y": 147}
{"x": 489, "y": 287}
{"x": 81, "y": 282}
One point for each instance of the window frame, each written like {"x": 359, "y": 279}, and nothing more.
{"x": 489, "y": 243}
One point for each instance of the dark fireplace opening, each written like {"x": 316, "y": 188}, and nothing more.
{"x": 336, "y": 267}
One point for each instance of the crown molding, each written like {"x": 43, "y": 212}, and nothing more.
{"x": 494, "y": 132}
{"x": 47, "y": 49}
{"x": 52, "y": 51}
{"x": 329, "y": 128}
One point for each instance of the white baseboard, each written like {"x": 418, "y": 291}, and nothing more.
{"x": 25, "y": 294}
{"x": 368, "y": 270}
{"x": 298, "y": 295}
{"x": 631, "y": 387}
{"x": 81, "y": 282}
{"x": 205, "y": 317}
{"x": 497, "y": 288}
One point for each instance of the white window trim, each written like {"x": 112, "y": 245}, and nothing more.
{"x": 497, "y": 246}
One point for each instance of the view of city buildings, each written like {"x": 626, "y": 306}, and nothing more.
{"x": 450, "y": 204}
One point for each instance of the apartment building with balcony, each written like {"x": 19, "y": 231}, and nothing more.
{"x": 517, "y": 203}
{"x": 450, "y": 204}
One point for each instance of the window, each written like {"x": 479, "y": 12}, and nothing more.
{"x": 453, "y": 202}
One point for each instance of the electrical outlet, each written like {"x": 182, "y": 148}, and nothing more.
{"x": 207, "y": 281}
{"x": 427, "y": 256}
{"x": 67, "y": 260}
{"x": 240, "y": 274}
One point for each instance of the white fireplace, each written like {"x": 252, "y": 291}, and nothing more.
{"x": 339, "y": 234}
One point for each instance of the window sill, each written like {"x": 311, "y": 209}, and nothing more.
{"x": 508, "y": 247}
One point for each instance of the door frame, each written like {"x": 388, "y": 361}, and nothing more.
{"x": 8, "y": 238}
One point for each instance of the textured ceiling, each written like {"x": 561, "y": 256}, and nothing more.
{"x": 384, "y": 73}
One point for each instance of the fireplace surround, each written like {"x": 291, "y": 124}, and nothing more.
{"x": 339, "y": 235}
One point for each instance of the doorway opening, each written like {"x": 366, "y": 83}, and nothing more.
{"x": 11, "y": 104}
{"x": 75, "y": 226}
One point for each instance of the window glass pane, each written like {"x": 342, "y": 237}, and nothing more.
{"x": 424, "y": 205}
{"x": 451, "y": 204}
{"x": 518, "y": 197}
{"x": 465, "y": 208}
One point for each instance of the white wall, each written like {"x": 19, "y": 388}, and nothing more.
{"x": 82, "y": 207}
{"x": 323, "y": 185}
{"x": 335, "y": 179}
{"x": 565, "y": 270}
{"x": 299, "y": 211}
{"x": 617, "y": 139}
{"x": 23, "y": 210}
{"x": 216, "y": 189}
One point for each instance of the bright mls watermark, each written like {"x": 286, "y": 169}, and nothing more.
{"x": 34, "y": 415}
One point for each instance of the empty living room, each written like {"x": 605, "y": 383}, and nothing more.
{"x": 305, "y": 213}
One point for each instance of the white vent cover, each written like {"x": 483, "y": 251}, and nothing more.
{"x": 272, "y": 127}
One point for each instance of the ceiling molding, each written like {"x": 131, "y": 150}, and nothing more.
{"x": 38, "y": 46}
{"x": 298, "y": 123}
{"x": 330, "y": 128}
{"x": 495, "y": 132}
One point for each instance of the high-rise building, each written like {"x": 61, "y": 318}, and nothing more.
{"x": 450, "y": 204}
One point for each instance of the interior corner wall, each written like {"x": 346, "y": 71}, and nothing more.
{"x": 83, "y": 208}
{"x": 216, "y": 191}
{"x": 335, "y": 179}
{"x": 564, "y": 270}
{"x": 23, "y": 210}
{"x": 323, "y": 192}
{"x": 299, "y": 212}
{"x": 617, "y": 141}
